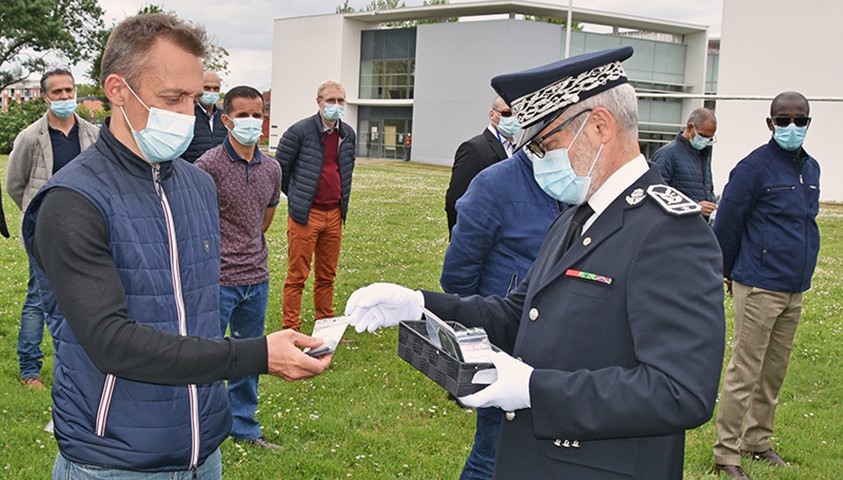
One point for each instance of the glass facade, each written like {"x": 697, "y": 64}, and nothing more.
{"x": 387, "y": 63}
{"x": 381, "y": 131}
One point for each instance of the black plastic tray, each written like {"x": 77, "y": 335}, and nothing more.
{"x": 438, "y": 365}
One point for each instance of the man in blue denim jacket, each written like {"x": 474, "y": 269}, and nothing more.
{"x": 767, "y": 229}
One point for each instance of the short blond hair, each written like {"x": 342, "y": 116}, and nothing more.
{"x": 329, "y": 84}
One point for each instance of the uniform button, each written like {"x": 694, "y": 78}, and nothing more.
{"x": 566, "y": 444}
{"x": 510, "y": 416}
{"x": 534, "y": 314}
{"x": 586, "y": 241}
{"x": 575, "y": 444}
{"x": 557, "y": 442}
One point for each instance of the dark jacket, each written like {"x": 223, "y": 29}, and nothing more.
{"x": 686, "y": 169}
{"x": 625, "y": 331}
{"x": 102, "y": 419}
{"x": 3, "y": 229}
{"x": 503, "y": 218}
{"x": 766, "y": 222}
{"x": 203, "y": 138}
{"x": 301, "y": 153}
{"x": 472, "y": 156}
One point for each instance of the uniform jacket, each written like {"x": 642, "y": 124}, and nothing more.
{"x": 766, "y": 222}
{"x": 31, "y": 159}
{"x": 301, "y": 153}
{"x": 686, "y": 169}
{"x": 472, "y": 156}
{"x": 503, "y": 218}
{"x": 101, "y": 419}
{"x": 203, "y": 138}
{"x": 621, "y": 369}
{"x": 3, "y": 229}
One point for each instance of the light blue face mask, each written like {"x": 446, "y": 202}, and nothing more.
{"x": 210, "y": 98}
{"x": 333, "y": 112}
{"x": 790, "y": 137}
{"x": 698, "y": 141}
{"x": 557, "y": 177}
{"x": 63, "y": 108}
{"x": 509, "y": 126}
{"x": 247, "y": 130}
{"x": 166, "y": 136}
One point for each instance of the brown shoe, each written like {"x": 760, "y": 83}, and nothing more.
{"x": 262, "y": 442}
{"x": 768, "y": 455}
{"x": 732, "y": 471}
{"x": 33, "y": 383}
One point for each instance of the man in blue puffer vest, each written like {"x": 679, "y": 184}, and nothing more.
{"x": 127, "y": 246}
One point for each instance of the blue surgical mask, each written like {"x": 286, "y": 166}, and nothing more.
{"x": 509, "y": 126}
{"x": 333, "y": 111}
{"x": 247, "y": 131}
{"x": 210, "y": 98}
{"x": 790, "y": 137}
{"x": 557, "y": 177}
{"x": 63, "y": 108}
{"x": 698, "y": 141}
{"x": 166, "y": 136}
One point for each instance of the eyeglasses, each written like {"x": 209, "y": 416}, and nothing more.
{"x": 708, "y": 140}
{"x": 504, "y": 113}
{"x": 536, "y": 145}
{"x": 334, "y": 101}
{"x": 783, "y": 121}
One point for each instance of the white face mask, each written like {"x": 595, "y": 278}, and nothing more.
{"x": 166, "y": 136}
{"x": 247, "y": 131}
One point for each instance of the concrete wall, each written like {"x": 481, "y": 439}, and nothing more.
{"x": 306, "y": 52}
{"x": 453, "y": 94}
{"x": 769, "y": 46}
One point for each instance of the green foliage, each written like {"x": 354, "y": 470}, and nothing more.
{"x": 552, "y": 20}
{"x": 65, "y": 27}
{"x": 372, "y": 416}
{"x": 345, "y": 8}
{"x": 18, "y": 117}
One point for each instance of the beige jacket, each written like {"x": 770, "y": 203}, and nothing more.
{"x": 31, "y": 159}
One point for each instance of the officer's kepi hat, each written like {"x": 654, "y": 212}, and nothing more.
{"x": 540, "y": 95}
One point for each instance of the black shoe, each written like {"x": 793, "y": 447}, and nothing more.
{"x": 261, "y": 442}
{"x": 732, "y": 471}
{"x": 768, "y": 455}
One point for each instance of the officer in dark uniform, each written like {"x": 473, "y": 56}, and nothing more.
{"x": 615, "y": 338}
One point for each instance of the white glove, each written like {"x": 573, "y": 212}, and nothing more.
{"x": 510, "y": 392}
{"x": 383, "y": 305}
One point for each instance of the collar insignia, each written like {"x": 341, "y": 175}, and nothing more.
{"x": 636, "y": 197}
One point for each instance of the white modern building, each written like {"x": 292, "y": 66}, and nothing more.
{"x": 418, "y": 70}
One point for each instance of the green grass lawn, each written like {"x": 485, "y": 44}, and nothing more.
{"x": 371, "y": 415}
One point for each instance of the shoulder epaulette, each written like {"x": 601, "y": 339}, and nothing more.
{"x": 673, "y": 201}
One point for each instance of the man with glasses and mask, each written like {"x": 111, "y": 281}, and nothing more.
{"x": 317, "y": 157}
{"x": 496, "y": 143}
{"x": 126, "y": 239}
{"x": 767, "y": 229}
{"x": 208, "y": 131}
{"x": 612, "y": 345}
{"x": 40, "y": 151}
{"x": 249, "y": 185}
{"x": 685, "y": 162}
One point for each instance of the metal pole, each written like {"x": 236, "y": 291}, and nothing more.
{"x": 568, "y": 30}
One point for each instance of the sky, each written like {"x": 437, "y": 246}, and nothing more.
{"x": 244, "y": 27}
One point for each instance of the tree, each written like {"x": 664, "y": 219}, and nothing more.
{"x": 345, "y": 8}
{"x": 66, "y": 27}
{"x": 18, "y": 117}
{"x": 555, "y": 21}
{"x": 217, "y": 59}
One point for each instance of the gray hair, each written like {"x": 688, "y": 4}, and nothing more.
{"x": 700, "y": 116}
{"x": 620, "y": 101}
{"x": 130, "y": 41}
{"x": 329, "y": 84}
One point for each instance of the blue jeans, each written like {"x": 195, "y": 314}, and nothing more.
{"x": 64, "y": 469}
{"x": 31, "y": 330}
{"x": 243, "y": 308}
{"x": 481, "y": 461}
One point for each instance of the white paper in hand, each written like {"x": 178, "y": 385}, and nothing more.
{"x": 330, "y": 330}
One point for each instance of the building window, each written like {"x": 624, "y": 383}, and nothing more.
{"x": 387, "y": 63}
